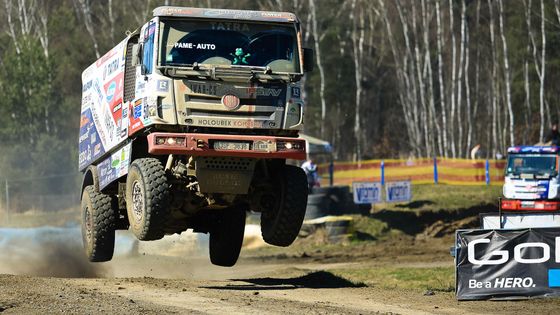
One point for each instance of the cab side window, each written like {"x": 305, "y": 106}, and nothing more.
{"x": 147, "y": 58}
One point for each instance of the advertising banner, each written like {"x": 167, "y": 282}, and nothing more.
{"x": 507, "y": 263}
{"x": 367, "y": 192}
{"x": 398, "y": 191}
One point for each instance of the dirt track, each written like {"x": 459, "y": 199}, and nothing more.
{"x": 44, "y": 271}
{"x": 255, "y": 286}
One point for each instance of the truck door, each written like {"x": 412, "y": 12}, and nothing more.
{"x": 153, "y": 101}
{"x": 139, "y": 117}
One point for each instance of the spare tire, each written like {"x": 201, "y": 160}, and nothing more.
{"x": 338, "y": 196}
{"x": 318, "y": 205}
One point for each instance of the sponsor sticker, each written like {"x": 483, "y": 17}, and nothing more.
{"x": 137, "y": 112}
{"x": 296, "y": 92}
{"x": 111, "y": 91}
{"x": 162, "y": 86}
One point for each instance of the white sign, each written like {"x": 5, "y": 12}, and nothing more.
{"x": 398, "y": 191}
{"x": 367, "y": 192}
{"x": 491, "y": 221}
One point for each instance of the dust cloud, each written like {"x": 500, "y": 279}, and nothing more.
{"x": 46, "y": 252}
{"x": 58, "y": 252}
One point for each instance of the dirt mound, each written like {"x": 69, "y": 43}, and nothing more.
{"x": 434, "y": 223}
{"x": 441, "y": 228}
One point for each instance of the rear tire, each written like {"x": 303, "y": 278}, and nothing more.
{"x": 99, "y": 217}
{"x": 226, "y": 236}
{"x": 280, "y": 226}
{"x": 147, "y": 199}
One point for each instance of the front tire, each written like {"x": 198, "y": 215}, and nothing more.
{"x": 99, "y": 217}
{"x": 147, "y": 199}
{"x": 280, "y": 225}
{"x": 226, "y": 236}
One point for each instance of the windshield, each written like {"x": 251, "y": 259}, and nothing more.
{"x": 226, "y": 43}
{"x": 531, "y": 164}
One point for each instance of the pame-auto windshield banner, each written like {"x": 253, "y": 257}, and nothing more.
{"x": 507, "y": 263}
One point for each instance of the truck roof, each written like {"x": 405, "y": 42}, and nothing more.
{"x": 226, "y": 14}
{"x": 533, "y": 149}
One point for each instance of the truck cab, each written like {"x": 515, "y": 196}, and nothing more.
{"x": 187, "y": 124}
{"x": 532, "y": 179}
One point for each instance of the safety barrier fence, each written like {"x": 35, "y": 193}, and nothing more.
{"x": 418, "y": 171}
{"x": 44, "y": 193}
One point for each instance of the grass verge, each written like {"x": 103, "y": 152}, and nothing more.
{"x": 448, "y": 197}
{"x": 439, "y": 279}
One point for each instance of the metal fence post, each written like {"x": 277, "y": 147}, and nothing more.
{"x": 436, "y": 179}
{"x": 382, "y": 172}
{"x": 487, "y": 172}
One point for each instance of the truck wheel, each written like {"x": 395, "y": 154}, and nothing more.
{"x": 147, "y": 198}
{"x": 99, "y": 216}
{"x": 226, "y": 236}
{"x": 280, "y": 225}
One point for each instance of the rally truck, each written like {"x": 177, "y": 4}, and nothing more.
{"x": 531, "y": 191}
{"x": 187, "y": 124}
{"x": 531, "y": 179}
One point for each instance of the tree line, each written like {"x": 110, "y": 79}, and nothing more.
{"x": 394, "y": 78}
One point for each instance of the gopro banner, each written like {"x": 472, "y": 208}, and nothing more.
{"x": 507, "y": 263}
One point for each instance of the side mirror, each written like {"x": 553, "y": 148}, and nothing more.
{"x": 135, "y": 55}
{"x": 308, "y": 60}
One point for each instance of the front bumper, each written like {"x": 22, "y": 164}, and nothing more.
{"x": 529, "y": 205}
{"x": 199, "y": 144}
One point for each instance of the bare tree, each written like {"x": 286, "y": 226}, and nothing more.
{"x": 460, "y": 77}
{"x": 506, "y": 73}
{"x": 467, "y": 86}
{"x": 411, "y": 88}
{"x": 85, "y": 10}
{"x": 400, "y": 73}
{"x": 453, "y": 79}
{"x": 358, "y": 36}
{"x": 493, "y": 82}
{"x": 428, "y": 76}
{"x": 8, "y": 4}
{"x": 440, "y": 79}
{"x": 42, "y": 31}
{"x": 112, "y": 19}
{"x": 317, "y": 41}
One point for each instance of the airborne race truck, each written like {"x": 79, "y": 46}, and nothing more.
{"x": 187, "y": 124}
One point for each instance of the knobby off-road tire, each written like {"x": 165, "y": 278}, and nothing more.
{"x": 99, "y": 217}
{"x": 226, "y": 236}
{"x": 147, "y": 199}
{"x": 280, "y": 226}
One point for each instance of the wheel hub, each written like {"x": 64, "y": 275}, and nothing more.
{"x": 137, "y": 201}
{"x": 88, "y": 222}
